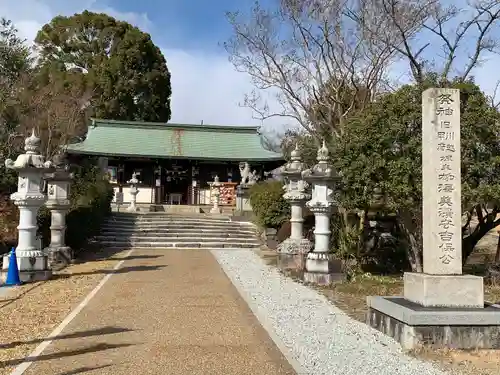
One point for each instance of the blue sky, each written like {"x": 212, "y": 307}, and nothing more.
{"x": 193, "y": 24}
{"x": 205, "y": 85}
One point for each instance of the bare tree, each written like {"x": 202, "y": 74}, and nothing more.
{"x": 450, "y": 40}
{"x": 56, "y": 108}
{"x": 312, "y": 57}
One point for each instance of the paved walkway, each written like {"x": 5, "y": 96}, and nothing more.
{"x": 164, "y": 312}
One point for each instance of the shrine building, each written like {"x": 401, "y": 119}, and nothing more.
{"x": 175, "y": 162}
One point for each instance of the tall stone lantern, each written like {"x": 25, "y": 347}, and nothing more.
{"x": 58, "y": 190}
{"x": 295, "y": 193}
{"x": 134, "y": 190}
{"x": 215, "y": 195}
{"x": 320, "y": 267}
{"x": 31, "y": 167}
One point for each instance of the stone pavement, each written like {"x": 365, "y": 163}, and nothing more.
{"x": 164, "y": 312}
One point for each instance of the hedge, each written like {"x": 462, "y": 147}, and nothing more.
{"x": 268, "y": 205}
{"x": 91, "y": 197}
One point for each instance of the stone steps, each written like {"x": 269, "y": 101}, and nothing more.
{"x": 175, "y": 227}
{"x": 187, "y": 245}
{"x": 160, "y": 230}
{"x": 180, "y": 231}
{"x": 175, "y": 238}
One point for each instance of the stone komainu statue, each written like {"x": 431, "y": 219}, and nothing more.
{"x": 247, "y": 177}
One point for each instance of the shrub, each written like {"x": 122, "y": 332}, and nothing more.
{"x": 268, "y": 205}
{"x": 91, "y": 197}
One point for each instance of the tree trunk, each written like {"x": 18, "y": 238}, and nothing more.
{"x": 497, "y": 255}
{"x": 412, "y": 231}
{"x": 469, "y": 242}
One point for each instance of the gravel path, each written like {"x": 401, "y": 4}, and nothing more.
{"x": 316, "y": 337}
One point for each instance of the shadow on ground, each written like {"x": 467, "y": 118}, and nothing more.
{"x": 83, "y": 369}
{"x": 89, "y": 333}
{"x": 68, "y": 353}
{"x": 109, "y": 271}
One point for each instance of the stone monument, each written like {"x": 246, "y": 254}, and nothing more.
{"x": 215, "y": 195}
{"x": 133, "y": 193}
{"x": 441, "y": 303}
{"x": 296, "y": 246}
{"x": 31, "y": 167}
{"x": 320, "y": 267}
{"x": 58, "y": 190}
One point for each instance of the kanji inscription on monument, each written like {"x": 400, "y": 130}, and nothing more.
{"x": 442, "y": 232}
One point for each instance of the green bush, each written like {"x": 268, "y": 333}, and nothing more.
{"x": 268, "y": 205}
{"x": 91, "y": 197}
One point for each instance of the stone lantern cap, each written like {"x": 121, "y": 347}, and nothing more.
{"x": 295, "y": 166}
{"x": 323, "y": 170}
{"x": 216, "y": 181}
{"x": 31, "y": 159}
{"x": 133, "y": 180}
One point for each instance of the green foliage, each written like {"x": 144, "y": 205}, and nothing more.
{"x": 125, "y": 71}
{"x": 381, "y": 147}
{"x": 91, "y": 197}
{"x": 268, "y": 205}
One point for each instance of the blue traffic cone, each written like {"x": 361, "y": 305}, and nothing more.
{"x": 13, "y": 272}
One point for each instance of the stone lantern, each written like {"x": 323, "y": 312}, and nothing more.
{"x": 320, "y": 267}
{"x": 215, "y": 195}
{"x": 58, "y": 190}
{"x": 295, "y": 193}
{"x": 31, "y": 167}
{"x": 133, "y": 193}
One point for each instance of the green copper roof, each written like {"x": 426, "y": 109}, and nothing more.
{"x": 165, "y": 140}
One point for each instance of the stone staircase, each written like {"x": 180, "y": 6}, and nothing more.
{"x": 160, "y": 230}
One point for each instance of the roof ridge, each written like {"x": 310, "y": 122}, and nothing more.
{"x": 150, "y": 124}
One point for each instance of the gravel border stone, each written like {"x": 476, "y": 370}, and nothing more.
{"x": 316, "y": 337}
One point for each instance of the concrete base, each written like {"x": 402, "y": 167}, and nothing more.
{"x": 296, "y": 262}
{"x": 414, "y": 326}
{"x": 30, "y": 269}
{"x": 324, "y": 279}
{"x": 327, "y": 271}
{"x": 293, "y": 246}
{"x": 444, "y": 290}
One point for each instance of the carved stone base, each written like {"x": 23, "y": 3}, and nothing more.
{"x": 31, "y": 269}
{"x": 293, "y": 246}
{"x": 321, "y": 269}
{"x": 59, "y": 257}
{"x": 294, "y": 262}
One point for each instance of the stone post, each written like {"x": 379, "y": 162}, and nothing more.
{"x": 442, "y": 283}
{"x": 320, "y": 267}
{"x": 58, "y": 202}
{"x": 133, "y": 193}
{"x": 215, "y": 195}
{"x": 31, "y": 167}
{"x": 295, "y": 193}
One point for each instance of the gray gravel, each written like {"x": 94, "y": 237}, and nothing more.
{"x": 316, "y": 337}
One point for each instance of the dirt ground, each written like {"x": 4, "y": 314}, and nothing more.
{"x": 32, "y": 311}
{"x": 351, "y": 298}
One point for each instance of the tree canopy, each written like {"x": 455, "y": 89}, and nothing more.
{"x": 125, "y": 71}
{"x": 381, "y": 147}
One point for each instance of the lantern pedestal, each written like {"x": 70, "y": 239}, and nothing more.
{"x": 32, "y": 262}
